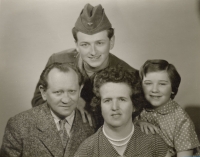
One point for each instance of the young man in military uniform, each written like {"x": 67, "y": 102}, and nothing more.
{"x": 94, "y": 38}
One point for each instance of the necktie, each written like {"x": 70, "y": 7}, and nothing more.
{"x": 63, "y": 132}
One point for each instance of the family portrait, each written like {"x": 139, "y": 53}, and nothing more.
{"x": 97, "y": 78}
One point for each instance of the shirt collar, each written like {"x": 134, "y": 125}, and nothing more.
{"x": 165, "y": 109}
{"x": 69, "y": 118}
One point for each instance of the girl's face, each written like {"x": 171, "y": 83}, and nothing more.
{"x": 157, "y": 88}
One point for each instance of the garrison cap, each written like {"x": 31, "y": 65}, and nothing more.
{"x": 92, "y": 20}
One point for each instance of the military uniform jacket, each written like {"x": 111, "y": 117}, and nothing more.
{"x": 33, "y": 133}
{"x": 72, "y": 57}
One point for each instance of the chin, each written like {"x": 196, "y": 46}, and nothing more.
{"x": 115, "y": 125}
{"x": 66, "y": 114}
{"x": 94, "y": 65}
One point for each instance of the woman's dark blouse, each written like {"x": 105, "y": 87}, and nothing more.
{"x": 140, "y": 145}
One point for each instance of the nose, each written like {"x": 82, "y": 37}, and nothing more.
{"x": 115, "y": 105}
{"x": 155, "y": 88}
{"x": 65, "y": 98}
{"x": 93, "y": 50}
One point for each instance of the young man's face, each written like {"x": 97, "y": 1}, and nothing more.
{"x": 94, "y": 49}
{"x": 157, "y": 88}
{"x": 62, "y": 93}
{"x": 116, "y": 104}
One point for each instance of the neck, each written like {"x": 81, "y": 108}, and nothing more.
{"x": 118, "y": 132}
{"x": 160, "y": 107}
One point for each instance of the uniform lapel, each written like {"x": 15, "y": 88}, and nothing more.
{"x": 48, "y": 132}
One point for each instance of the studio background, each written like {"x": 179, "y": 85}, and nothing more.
{"x": 32, "y": 30}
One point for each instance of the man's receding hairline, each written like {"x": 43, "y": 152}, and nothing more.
{"x": 70, "y": 70}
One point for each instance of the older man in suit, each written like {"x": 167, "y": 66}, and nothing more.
{"x": 54, "y": 128}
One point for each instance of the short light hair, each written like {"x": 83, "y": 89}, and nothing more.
{"x": 63, "y": 67}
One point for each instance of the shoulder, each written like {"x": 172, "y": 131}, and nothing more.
{"x": 151, "y": 143}
{"x": 25, "y": 115}
{"x": 64, "y": 56}
{"x": 69, "y": 53}
{"x": 178, "y": 111}
{"x": 115, "y": 61}
{"x": 148, "y": 138}
{"x": 182, "y": 119}
{"x": 90, "y": 141}
{"x": 88, "y": 146}
{"x": 175, "y": 105}
{"x": 25, "y": 119}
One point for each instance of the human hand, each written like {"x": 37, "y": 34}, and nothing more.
{"x": 146, "y": 127}
{"x": 185, "y": 153}
{"x": 168, "y": 154}
{"x": 84, "y": 113}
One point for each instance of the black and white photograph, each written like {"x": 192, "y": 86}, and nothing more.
{"x": 100, "y": 78}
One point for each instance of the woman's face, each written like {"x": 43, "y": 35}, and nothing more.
{"x": 157, "y": 88}
{"x": 116, "y": 104}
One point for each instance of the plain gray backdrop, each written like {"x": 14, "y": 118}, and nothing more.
{"x": 32, "y": 30}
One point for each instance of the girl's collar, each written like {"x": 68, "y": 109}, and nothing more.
{"x": 165, "y": 109}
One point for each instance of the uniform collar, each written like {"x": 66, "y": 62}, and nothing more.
{"x": 167, "y": 108}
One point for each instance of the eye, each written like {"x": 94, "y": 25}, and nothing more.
{"x": 72, "y": 91}
{"x": 57, "y": 92}
{"x": 100, "y": 43}
{"x": 122, "y": 99}
{"x": 84, "y": 45}
{"x": 106, "y": 100}
{"x": 147, "y": 83}
{"x": 162, "y": 84}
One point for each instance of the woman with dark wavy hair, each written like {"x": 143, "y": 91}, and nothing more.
{"x": 118, "y": 99}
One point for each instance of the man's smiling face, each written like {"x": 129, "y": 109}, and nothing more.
{"x": 94, "y": 49}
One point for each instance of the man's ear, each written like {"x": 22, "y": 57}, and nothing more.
{"x": 43, "y": 92}
{"x": 77, "y": 48}
{"x": 112, "y": 42}
{"x": 81, "y": 87}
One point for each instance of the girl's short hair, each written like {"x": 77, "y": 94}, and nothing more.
{"x": 162, "y": 65}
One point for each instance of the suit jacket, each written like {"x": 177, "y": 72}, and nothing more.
{"x": 33, "y": 133}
